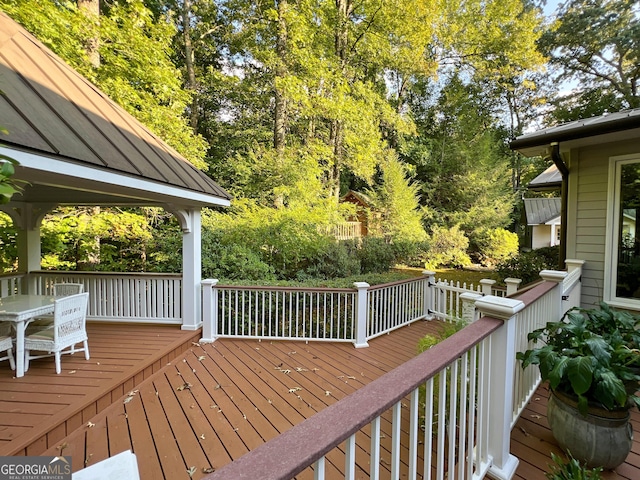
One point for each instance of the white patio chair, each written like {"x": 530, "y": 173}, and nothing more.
{"x": 6, "y": 343}
{"x": 68, "y": 329}
{"x": 58, "y": 290}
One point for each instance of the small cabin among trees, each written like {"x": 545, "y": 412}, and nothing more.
{"x": 357, "y": 224}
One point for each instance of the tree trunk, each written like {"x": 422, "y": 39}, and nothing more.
{"x": 280, "y": 120}
{"x": 189, "y": 62}
{"x": 91, "y": 8}
{"x": 280, "y": 110}
{"x": 344, "y": 7}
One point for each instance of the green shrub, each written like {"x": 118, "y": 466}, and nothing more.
{"x": 448, "y": 248}
{"x": 411, "y": 253}
{"x": 376, "y": 255}
{"x": 339, "y": 259}
{"x": 239, "y": 262}
{"x": 528, "y": 265}
{"x": 495, "y": 245}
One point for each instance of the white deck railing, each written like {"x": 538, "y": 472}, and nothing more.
{"x": 122, "y": 297}
{"x": 336, "y": 314}
{"x": 279, "y": 312}
{"x": 447, "y": 413}
{"x": 11, "y": 283}
{"x": 339, "y": 314}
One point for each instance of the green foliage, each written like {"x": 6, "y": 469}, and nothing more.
{"x": 8, "y": 186}
{"x": 376, "y": 255}
{"x": 8, "y": 245}
{"x": 396, "y": 201}
{"x": 592, "y": 354}
{"x": 459, "y": 158}
{"x": 495, "y": 245}
{"x": 596, "y": 43}
{"x": 339, "y": 259}
{"x": 527, "y": 265}
{"x": 286, "y": 239}
{"x": 96, "y": 239}
{"x": 571, "y": 469}
{"x": 447, "y": 248}
{"x": 450, "y": 328}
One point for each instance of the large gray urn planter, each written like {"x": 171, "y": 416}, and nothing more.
{"x": 602, "y": 438}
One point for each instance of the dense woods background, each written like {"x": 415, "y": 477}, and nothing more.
{"x": 289, "y": 104}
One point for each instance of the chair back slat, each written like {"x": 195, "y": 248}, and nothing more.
{"x": 65, "y": 289}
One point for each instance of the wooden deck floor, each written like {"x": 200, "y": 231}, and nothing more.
{"x": 210, "y": 404}
{"x": 41, "y": 408}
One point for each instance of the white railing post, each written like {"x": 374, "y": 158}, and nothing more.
{"x": 469, "y": 312}
{"x": 486, "y": 286}
{"x": 361, "y": 315}
{"x": 572, "y": 290}
{"x": 558, "y": 277}
{"x": 427, "y": 294}
{"x": 573, "y": 265}
{"x": 512, "y": 285}
{"x": 502, "y": 363}
{"x": 209, "y": 310}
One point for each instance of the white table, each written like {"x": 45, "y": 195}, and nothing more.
{"x": 21, "y": 309}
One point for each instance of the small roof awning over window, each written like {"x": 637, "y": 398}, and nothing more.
{"x": 75, "y": 145}
{"x": 542, "y": 210}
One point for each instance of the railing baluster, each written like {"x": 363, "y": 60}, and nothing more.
{"x": 396, "y": 424}
{"x": 413, "y": 435}
{"x": 350, "y": 458}
{"x": 318, "y": 470}
{"x": 374, "y": 463}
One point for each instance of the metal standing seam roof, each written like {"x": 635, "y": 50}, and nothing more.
{"x": 50, "y": 110}
{"x": 541, "y": 210}
{"x": 579, "y": 129}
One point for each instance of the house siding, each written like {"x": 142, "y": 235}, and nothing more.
{"x": 586, "y": 231}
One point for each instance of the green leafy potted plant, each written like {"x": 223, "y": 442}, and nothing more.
{"x": 571, "y": 469}
{"x": 591, "y": 359}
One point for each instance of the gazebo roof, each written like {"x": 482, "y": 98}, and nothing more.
{"x": 75, "y": 145}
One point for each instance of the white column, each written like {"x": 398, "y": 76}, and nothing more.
{"x": 191, "y": 271}
{"x": 501, "y": 383}
{"x": 27, "y": 218}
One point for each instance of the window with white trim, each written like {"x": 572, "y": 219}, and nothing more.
{"x": 623, "y": 243}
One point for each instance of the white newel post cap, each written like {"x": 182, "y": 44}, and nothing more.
{"x": 499, "y": 307}
{"x": 553, "y": 275}
{"x": 573, "y": 264}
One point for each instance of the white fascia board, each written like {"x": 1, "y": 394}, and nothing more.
{"x": 47, "y": 164}
{"x": 553, "y": 221}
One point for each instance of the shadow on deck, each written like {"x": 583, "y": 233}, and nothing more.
{"x": 181, "y": 406}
